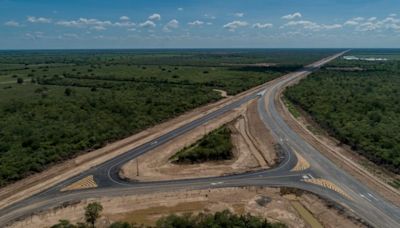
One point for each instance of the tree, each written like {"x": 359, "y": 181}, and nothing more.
{"x": 63, "y": 224}
{"x": 20, "y": 80}
{"x": 68, "y": 92}
{"x": 92, "y": 212}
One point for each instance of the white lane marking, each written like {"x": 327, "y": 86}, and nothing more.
{"x": 372, "y": 196}
{"x": 363, "y": 196}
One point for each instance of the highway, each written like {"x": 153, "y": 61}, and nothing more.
{"x": 322, "y": 177}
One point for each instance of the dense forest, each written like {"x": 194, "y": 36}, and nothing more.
{"x": 358, "y": 102}
{"x": 56, "y": 104}
{"x": 217, "y": 145}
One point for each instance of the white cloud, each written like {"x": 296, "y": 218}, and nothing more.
{"x": 351, "y": 23}
{"x": 196, "y": 23}
{"x": 232, "y": 26}
{"x": 309, "y": 25}
{"x": 180, "y": 9}
{"x": 124, "y": 24}
{"x": 124, "y": 18}
{"x": 172, "y": 24}
{"x": 38, "y": 20}
{"x": 392, "y": 15}
{"x": 372, "y": 18}
{"x": 148, "y": 24}
{"x": 155, "y": 17}
{"x": 262, "y": 26}
{"x": 333, "y": 26}
{"x": 35, "y": 35}
{"x": 239, "y": 14}
{"x": 358, "y": 19}
{"x": 292, "y": 16}
{"x": 389, "y": 23}
{"x": 12, "y": 24}
{"x": 98, "y": 28}
{"x": 84, "y": 22}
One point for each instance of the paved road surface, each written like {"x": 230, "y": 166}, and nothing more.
{"x": 336, "y": 185}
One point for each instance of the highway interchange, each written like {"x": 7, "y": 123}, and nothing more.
{"x": 344, "y": 189}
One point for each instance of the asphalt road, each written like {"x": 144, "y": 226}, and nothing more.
{"x": 361, "y": 200}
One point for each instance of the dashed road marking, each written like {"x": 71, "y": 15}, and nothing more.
{"x": 85, "y": 183}
{"x": 302, "y": 163}
{"x": 327, "y": 184}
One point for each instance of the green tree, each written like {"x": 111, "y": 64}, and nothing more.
{"x": 68, "y": 92}
{"x": 92, "y": 212}
{"x": 63, "y": 224}
{"x": 20, "y": 80}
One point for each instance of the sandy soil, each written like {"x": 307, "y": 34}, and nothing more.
{"x": 55, "y": 174}
{"x": 147, "y": 208}
{"x": 223, "y": 93}
{"x": 353, "y": 163}
{"x": 251, "y": 151}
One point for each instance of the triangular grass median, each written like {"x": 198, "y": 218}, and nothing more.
{"x": 215, "y": 146}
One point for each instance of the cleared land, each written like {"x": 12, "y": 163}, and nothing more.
{"x": 272, "y": 204}
{"x": 78, "y": 101}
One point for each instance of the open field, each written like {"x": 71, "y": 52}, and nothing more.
{"x": 80, "y": 100}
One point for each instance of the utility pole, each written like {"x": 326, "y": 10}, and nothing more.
{"x": 137, "y": 166}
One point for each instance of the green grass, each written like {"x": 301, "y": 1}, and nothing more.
{"x": 292, "y": 109}
{"x": 215, "y": 146}
{"x": 395, "y": 184}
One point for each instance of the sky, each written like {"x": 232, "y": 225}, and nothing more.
{"x": 81, "y": 24}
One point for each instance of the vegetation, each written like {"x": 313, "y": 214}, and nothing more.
{"x": 92, "y": 212}
{"x": 360, "y": 108}
{"x": 224, "y": 219}
{"x": 67, "y": 102}
{"x": 217, "y": 145}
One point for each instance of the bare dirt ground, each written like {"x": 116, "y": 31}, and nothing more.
{"x": 253, "y": 148}
{"x": 223, "y": 93}
{"x": 374, "y": 177}
{"x": 56, "y": 173}
{"x": 147, "y": 208}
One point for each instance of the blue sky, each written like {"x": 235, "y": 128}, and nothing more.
{"x": 38, "y": 24}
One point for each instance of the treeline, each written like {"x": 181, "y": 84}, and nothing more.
{"x": 211, "y": 57}
{"x": 223, "y": 219}
{"x": 217, "y": 145}
{"x": 361, "y": 109}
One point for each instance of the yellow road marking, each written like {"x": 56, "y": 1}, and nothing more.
{"x": 302, "y": 163}
{"x": 85, "y": 183}
{"x": 327, "y": 184}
